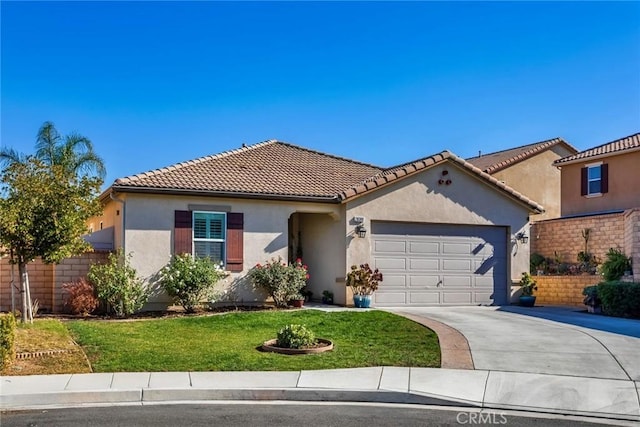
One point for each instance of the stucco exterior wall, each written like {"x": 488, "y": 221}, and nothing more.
{"x": 420, "y": 198}
{"x": 538, "y": 179}
{"x": 109, "y": 236}
{"x": 624, "y": 191}
{"x": 324, "y": 246}
{"x": 149, "y": 236}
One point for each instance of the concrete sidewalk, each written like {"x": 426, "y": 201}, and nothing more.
{"x": 594, "y": 397}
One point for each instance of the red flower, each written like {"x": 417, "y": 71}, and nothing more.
{"x": 307, "y": 277}
{"x": 299, "y": 261}
{"x": 258, "y": 265}
{"x": 305, "y": 267}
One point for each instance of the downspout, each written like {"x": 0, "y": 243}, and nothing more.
{"x": 124, "y": 217}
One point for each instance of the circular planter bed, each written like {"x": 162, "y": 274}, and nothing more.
{"x": 322, "y": 346}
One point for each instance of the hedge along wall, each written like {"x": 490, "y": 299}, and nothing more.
{"x": 46, "y": 280}
{"x": 563, "y": 290}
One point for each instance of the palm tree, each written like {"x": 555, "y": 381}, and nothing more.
{"x": 74, "y": 153}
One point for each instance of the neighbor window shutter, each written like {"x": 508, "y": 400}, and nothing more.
{"x": 584, "y": 182}
{"x": 604, "y": 176}
{"x": 235, "y": 241}
{"x": 182, "y": 235}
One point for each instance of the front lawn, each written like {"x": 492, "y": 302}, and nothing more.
{"x": 229, "y": 342}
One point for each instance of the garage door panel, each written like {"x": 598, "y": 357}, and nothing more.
{"x": 424, "y": 264}
{"x": 424, "y": 281}
{"x": 432, "y": 248}
{"x": 434, "y": 264}
{"x": 391, "y": 246}
{"x": 383, "y": 263}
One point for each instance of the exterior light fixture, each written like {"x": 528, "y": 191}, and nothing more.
{"x": 522, "y": 237}
{"x": 361, "y": 231}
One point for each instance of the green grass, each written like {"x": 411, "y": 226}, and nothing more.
{"x": 230, "y": 342}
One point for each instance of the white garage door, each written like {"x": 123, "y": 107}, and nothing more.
{"x": 436, "y": 264}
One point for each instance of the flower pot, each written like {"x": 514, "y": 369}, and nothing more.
{"x": 298, "y": 303}
{"x": 362, "y": 301}
{"x": 527, "y": 300}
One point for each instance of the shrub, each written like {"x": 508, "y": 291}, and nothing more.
{"x": 80, "y": 297}
{"x": 615, "y": 265}
{"x": 7, "y": 339}
{"x": 117, "y": 284}
{"x": 591, "y": 296}
{"x": 190, "y": 280}
{"x": 363, "y": 280}
{"x": 281, "y": 281}
{"x": 535, "y": 262}
{"x": 296, "y": 336}
{"x": 620, "y": 299}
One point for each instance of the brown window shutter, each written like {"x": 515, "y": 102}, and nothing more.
{"x": 182, "y": 235}
{"x": 584, "y": 182}
{"x": 235, "y": 241}
{"x": 604, "y": 176}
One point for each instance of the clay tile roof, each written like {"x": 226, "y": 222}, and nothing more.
{"x": 631, "y": 142}
{"x": 267, "y": 169}
{"x": 398, "y": 172}
{"x": 494, "y": 162}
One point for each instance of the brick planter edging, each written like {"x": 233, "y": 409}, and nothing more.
{"x": 563, "y": 290}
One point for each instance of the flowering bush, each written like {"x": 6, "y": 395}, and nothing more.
{"x": 296, "y": 336}
{"x": 281, "y": 281}
{"x": 80, "y": 297}
{"x": 363, "y": 280}
{"x": 191, "y": 281}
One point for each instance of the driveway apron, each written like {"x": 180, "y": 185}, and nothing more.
{"x": 512, "y": 342}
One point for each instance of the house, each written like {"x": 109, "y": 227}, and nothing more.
{"x": 530, "y": 170}
{"x": 600, "y": 204}
{"x": 442, "y": 231}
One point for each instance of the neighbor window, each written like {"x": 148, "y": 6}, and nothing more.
{"x": 209, "y": 235}
{"x": 594, "y": 179}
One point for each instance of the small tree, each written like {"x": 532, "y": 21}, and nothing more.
{"x": 118, "y": 285}
{"x": 190, "y": 280}
{"x": 281, "y": 281}
{"x": 43, "y": 213}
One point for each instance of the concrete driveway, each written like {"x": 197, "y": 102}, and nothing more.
{"x": 544, "y": 340}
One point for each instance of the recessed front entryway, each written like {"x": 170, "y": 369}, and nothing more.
{"x": 439, "y": 264}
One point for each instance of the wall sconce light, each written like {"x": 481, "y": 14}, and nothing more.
{"x": 522, "y": 237}
{"x": 361, "y": 231}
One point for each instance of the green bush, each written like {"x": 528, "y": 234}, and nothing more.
{"x": 591, "y": 296}
{"x": 117, "y": 284}
{"x": 620, "y": 299}
{"x": 191, "y": 281}
{"x": 615, "y": 265}
{"x": 281, "y": 281}
{"x": 7, "y": 339}
{"x": 296, "y": 336}
{"x": 535, "y": 261}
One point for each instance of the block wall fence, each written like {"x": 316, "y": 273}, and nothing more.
{"x": 46, "y": 280}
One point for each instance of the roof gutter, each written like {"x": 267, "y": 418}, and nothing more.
{"x": 231, "y": 194}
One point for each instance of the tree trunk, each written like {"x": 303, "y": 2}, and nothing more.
{"x": 24, "y": 292}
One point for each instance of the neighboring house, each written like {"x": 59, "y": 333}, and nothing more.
{"x": 601, "y": 179}
{"x": 529, "y": 169}
{"x": 600, "y": 205}
{"x": 441, "y": 231}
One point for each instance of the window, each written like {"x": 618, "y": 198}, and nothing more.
{"x": 594, "y": 179}
{"x": 209, "y": 235}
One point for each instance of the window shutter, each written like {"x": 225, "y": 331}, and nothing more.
{"x": 235, "y": 241}
{"x": 604, "y": 176}
{"x": 182, "y": 233}
{"x": 584, "y": 182}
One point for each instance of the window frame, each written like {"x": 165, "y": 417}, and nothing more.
{"x": 195, "y": 239}
{"x": 589, "y": 180}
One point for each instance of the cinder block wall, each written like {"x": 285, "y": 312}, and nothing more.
{"x": 632, "y": 239}
{"x": 563, "y": 290}
{"x": 46, "y": 280}
{"x": 564, "y": 236}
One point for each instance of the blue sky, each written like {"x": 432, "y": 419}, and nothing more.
{"x": 154, "y": 83}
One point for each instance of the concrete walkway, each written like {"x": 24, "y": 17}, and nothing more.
{"x": 522, "y": 362}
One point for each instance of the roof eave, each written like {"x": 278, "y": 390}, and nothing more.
{"x": 231, "y": 194}
{"x": 559, "y": 163}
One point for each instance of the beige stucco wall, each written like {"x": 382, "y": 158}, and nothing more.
{"x": 624, "y": 191}
{"x": 538, "y": 179}
{"x": 111, "y": 219}
{"x": 420, "y": 198}
{"x": 149, "y": 235}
